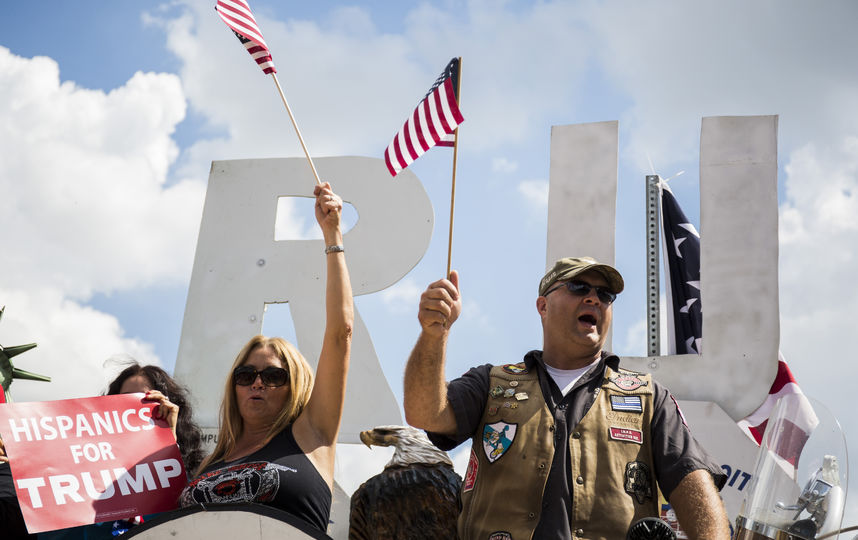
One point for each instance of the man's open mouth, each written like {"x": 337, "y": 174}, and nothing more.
{"x": 589, "y": 319}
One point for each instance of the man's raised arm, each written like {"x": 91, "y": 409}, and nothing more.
{"x": 425, "y": 403}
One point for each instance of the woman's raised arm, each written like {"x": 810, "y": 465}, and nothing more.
{"x": 325, "y": 408}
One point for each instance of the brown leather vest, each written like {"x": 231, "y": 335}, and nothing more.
{"x": 613, "y": 479}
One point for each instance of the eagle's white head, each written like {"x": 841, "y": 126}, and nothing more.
{"x": 412, "y": 445}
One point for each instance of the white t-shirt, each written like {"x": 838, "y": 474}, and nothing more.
{"x": 566, "y": 378}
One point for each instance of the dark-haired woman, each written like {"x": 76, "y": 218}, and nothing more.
{"x": 149, "y": 379}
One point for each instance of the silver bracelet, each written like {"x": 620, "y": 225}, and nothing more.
{"x": 333, "y": 249}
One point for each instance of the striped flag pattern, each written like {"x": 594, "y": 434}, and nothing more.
{"x": 237, "y": 15}
{"x": 432, "y": 123}
{"x": 626, "y": 403}
{"x": 797, "y": 429}
{"x": 681, "y": 245}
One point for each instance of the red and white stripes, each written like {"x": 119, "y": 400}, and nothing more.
{"x": 797, "y": 427}
{"x": 433, "y": 122}
{"x": 237, "y": 15}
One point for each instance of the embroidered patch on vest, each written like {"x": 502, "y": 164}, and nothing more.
{"x": 635, "y": 420}
{"x": 497, "y": 439}
{"x": 515, "y": 369}
{"x": 626, "y": 434}
{"x": 500, "y": 535}
{"x": 471, "y": 474}
{"x": 626, "y": 403}
{"x": 627, "y": 381}
{"x": 637, "y": 482}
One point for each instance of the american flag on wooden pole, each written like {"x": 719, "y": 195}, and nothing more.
{"x": 681, "y": 243}
{"x": 432, "y": 123}
{"x": 238, "y": 17}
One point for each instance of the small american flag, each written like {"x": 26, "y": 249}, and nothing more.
{"x": 433, "y": 122}
{"x": 626, "y": 403}
{"x": 685, "y": 328}
{"x": 237, "y": 15}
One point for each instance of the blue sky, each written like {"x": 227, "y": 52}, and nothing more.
{"x": 115, "y": 110}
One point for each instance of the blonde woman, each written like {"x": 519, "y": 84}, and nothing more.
{"x": 279, "y": 426}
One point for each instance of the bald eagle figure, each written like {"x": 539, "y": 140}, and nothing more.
{"x": 415, "y": 496}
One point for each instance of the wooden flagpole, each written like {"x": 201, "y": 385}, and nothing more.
{"x": 453, "y": 188}
{"x": 300, "y": 138}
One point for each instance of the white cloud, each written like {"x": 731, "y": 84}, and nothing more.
{"x": 86, "y": 210}
{"x": 380, "y": 76}
{"x": 73, "y": 343}
{"x": 504, "y": 165}
{"x": 819, "y": 254}
{"x": 83, "y": 176}
{"x": 289, "y": 224}
{"x": 535, "y": 192}
{"x": 474, "y": 314}
{"x": 818, "y": 264}
{"x": 402, "y": 297}
{"x": 735, "y": 59}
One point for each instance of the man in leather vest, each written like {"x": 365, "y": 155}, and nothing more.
{"x": 565, "y": 444}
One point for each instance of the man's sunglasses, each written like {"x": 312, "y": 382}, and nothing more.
{"x": 581, "y": 288}
{"x": 271, "y": 376}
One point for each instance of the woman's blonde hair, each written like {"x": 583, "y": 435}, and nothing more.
{"x": 301, "y": 385}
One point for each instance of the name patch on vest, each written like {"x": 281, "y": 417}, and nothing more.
{"x": 471, "y": 474}
{"x": 497, "y": 438}
{"x": 632, "y": 419}
{"x": 626, "y": 403}
{"x": 626, "y": 434}
{"x": 627, "y": 381}
{"x": 500, "y": 535}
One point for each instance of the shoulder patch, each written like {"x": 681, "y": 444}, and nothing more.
{"x": 627, "y": 381}
{"x": 515, "y": 369}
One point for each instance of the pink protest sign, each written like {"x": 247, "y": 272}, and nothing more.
{"x": 82, "y": 461}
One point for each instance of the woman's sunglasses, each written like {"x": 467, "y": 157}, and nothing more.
{"x": 580, "y": 288}
{"x": 271, "y": 376}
